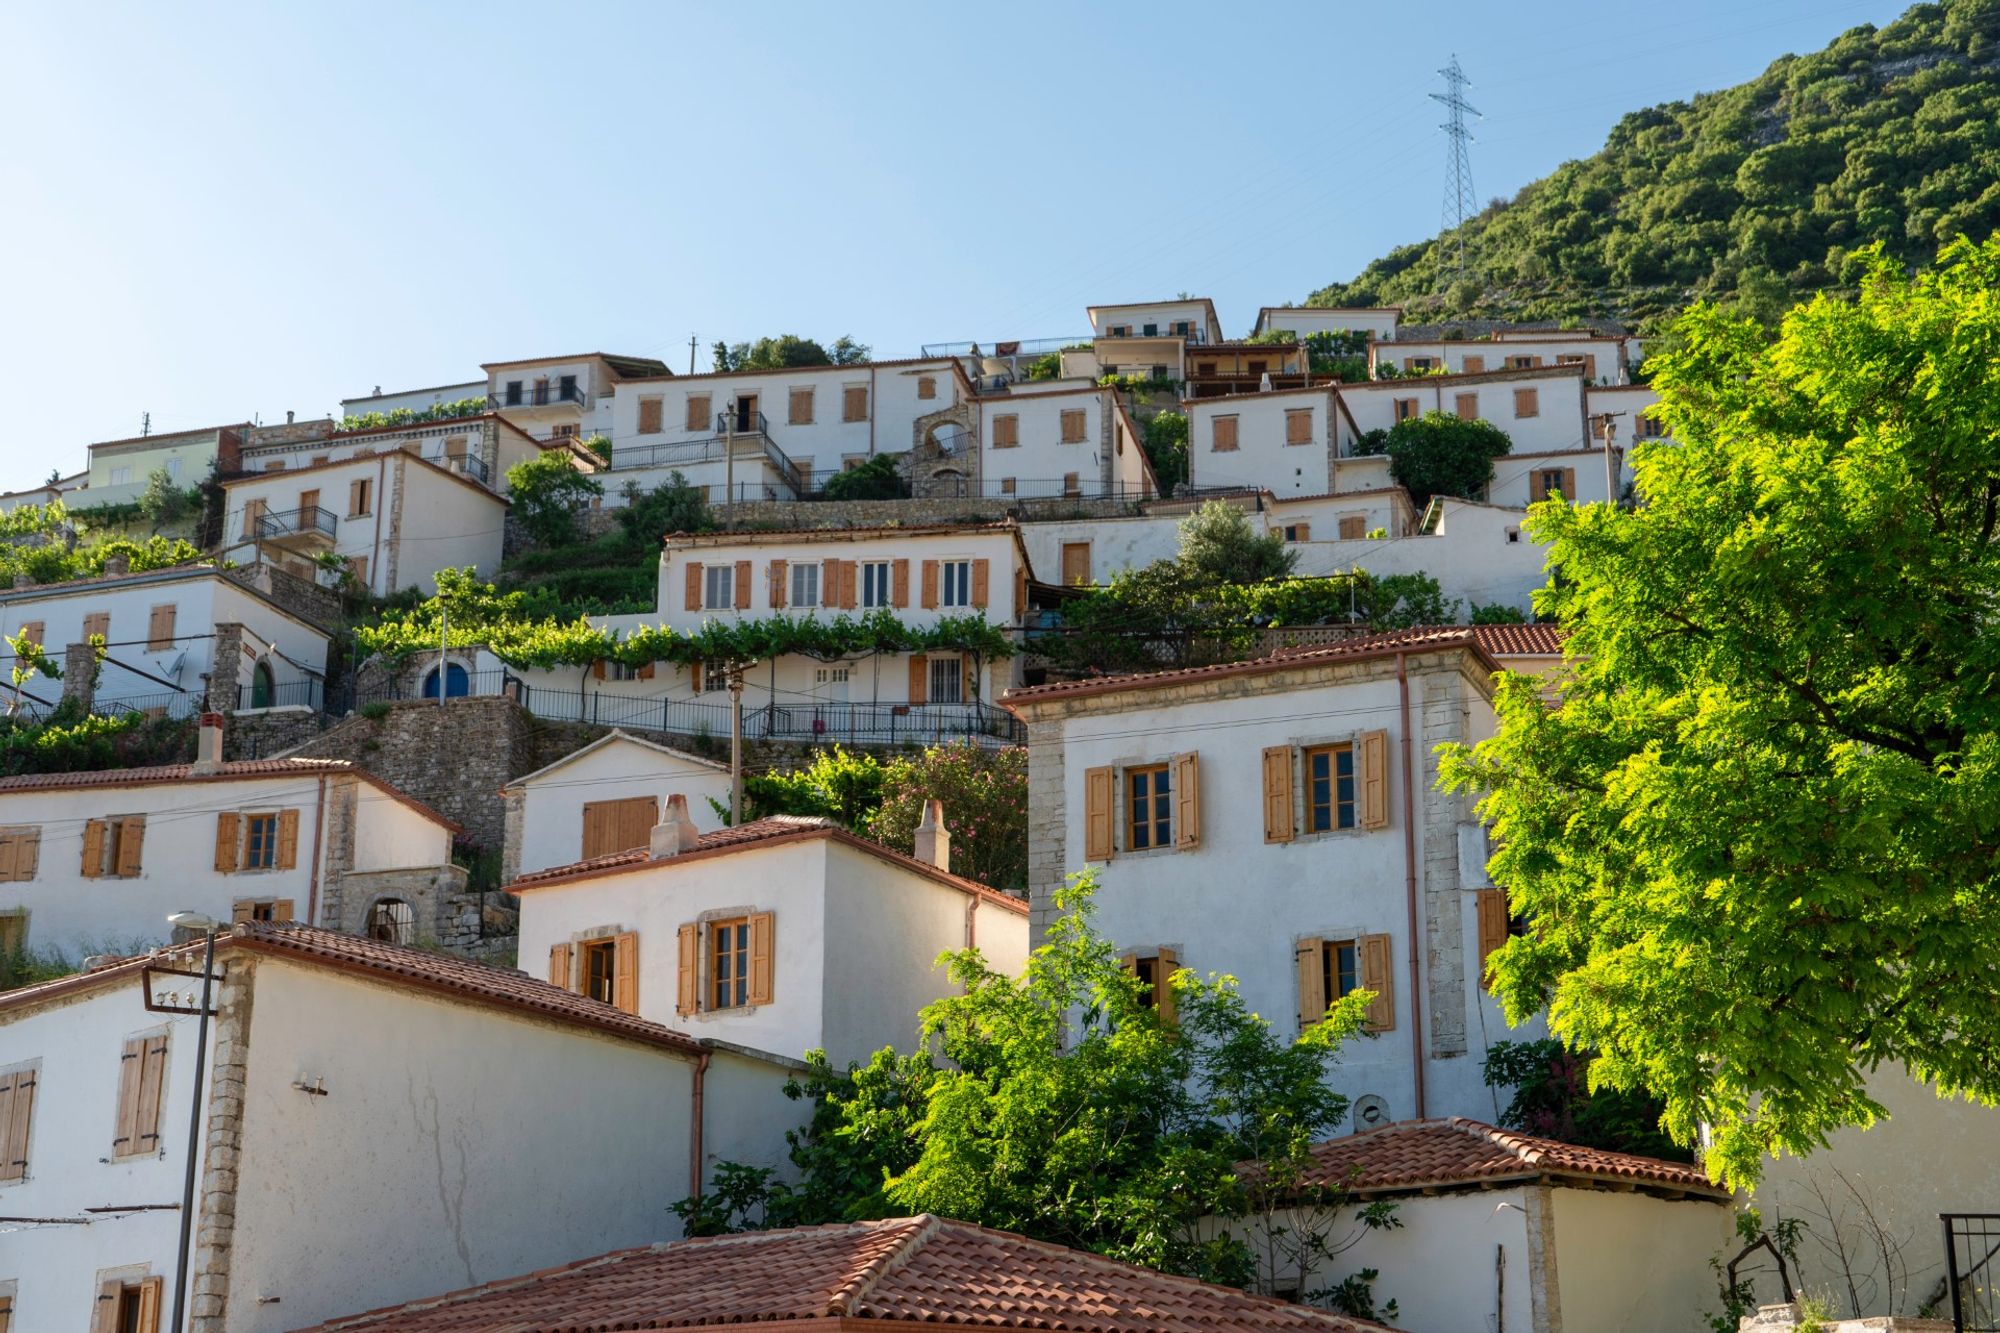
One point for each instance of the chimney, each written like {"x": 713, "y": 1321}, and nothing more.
{"x": 288, "y": 416}
{"x": 675, "y": 833}
{"x": 208, "y": 745}
{"x": 933, "y": 838}
{"x": 117, "y": 564}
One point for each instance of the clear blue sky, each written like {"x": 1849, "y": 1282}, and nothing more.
{"x": 214, "y": 212}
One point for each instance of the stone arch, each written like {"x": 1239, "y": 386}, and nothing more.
{"x": 944, "y": 454}
{"x": 392, "y": 920}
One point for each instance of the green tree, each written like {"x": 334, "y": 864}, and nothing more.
{"x": 546, "y": 492}
{"x": 30, "y": 659}
{"x": 1218, "y": 545}
{"x": 877, "y": 479}
{"x": 1755, "y": 846}
{"x": 1551, "y": 1097}
{"x": 836, "y": 785}
{"x": 985, "y": 795}
{"x": 1166, "y": 448}
{"x": 163, "y": 502}
{"x": 1441, "y": 454}
{"x": 788, "y": 350}
{"x": 1398, "y": 601}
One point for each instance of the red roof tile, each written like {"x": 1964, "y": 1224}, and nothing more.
{"x": 913, "y": 1270}
{"x": 239, "y": 770}
{"x": 1418, "y": 1154}
{"x": 1520, "y": 640}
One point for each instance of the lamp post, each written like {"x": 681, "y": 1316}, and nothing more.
{"x": 208, "y": 926}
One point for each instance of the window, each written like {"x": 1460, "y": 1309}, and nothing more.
{"x": 1119, "y": 331}
{"x": 121, "y": 476}
{"x": 1475, "y": 365}
{"x": 713, "y": 678}
{"x": 17, "y": 1109}
{"x": 360, "y": 497}
{"x": 160, "y": 628}
{"x": 1645, "y": 426}
{"x": 1007, "y": 485}
{"x": 513, "y": 393}
{"x": 1329, "y": 788}
{"x": 598, "y": 970}
{"x": 1496, "y": 926}
{"x": 1073, "y": 426}
{"x": 854, "y": 403}
{"x": 1006, "y": 430}
{"x": 1466, "y": 405}
{"x": 1298, "y": 532}
{"x": 32, "y": 630}
{"x": 1551, "y": 481}
{"x": 957, "y": 582}
{"x": 97, "y": 625}
{"x": 947, "y": 680}
{"x": 1149, "y": 807}
{"x": 1407, "y": 409}
{"x": 1330, "y": 969}
{"x": 799, "y": 407}
{"x": 606, "y": 968}
{"x": 725, "y": 963}
{"x": 877, "y": 583}
{"x": 616, "y": 826}
{"x": 1298, "y": 425}
{"x": 1154, "y": 971}
{"x": 141, "y": 1072}
{"x": 926, "y": 387}
{"x": 1527, "y": 403}
{"x": 1075, "y": 563}
{"x": 1182, "y": 328}
{"x": 127, "y": 1307}
{"x": 1353, "y": 527}
{"x": 267, "y": 840}
{"x": 566, "y": 387}
{"x": 260, "y": 842}
{"x": 805, "y": 585}
{"x": 1072, "y": 484}
{"x": 276, "y": 465}
{"x": 20, "y": 853}
{"x": 651, "y": 415}
{"x": 1222, "y": 434}
{"x": 1523, "y": 362}
{"x": 113, "y": 846}
{"x": 719, "y": 587}
{"x": 261, "y": 909}
{"x": 1418, "y": 364}
{"x": 729, "y": 964}
{"x": 13, "y": 931}
{"x": 698, "y": 411}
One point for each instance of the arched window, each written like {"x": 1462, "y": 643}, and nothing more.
{"x": 456, "y": 683}
{"x": 391, "y": 921}
{"x": 263, "y": 689}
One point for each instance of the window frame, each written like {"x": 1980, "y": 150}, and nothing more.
{"x": 1334, "y": 806}
{"x": 713, "y": 952}
{"x": 878, "y": 583}
{"x": 799, "y": 572}
{"x": 1158, "y": 778}
{"x": 590, "y": 951}
{"x": 718, "y": 574}
{"x": 251, "y": 820}
{"x": 963, "y": 579}
{"x": 948, "y": 670}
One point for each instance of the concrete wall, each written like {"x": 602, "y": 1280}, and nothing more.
{"x": 1629, "y": 1263}
{"x": 1261, "y": 457}
{"x": 1040, "y": 463}
{"x": 1304, "y": 320}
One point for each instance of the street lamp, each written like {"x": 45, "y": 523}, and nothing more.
{"x": 208, "y": 926}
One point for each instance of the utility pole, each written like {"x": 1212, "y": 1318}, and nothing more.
{"x": 444, "y": 650}
{"x": 735, "y": 744}
{"x": 1607, "y": 427}
{"x": 692, "y": 342}
{"x": 1459, "y": 205}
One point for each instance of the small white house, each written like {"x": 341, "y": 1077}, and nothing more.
{"x": 94, "y": 862}
{"x": 1078, "y": 443}
{"x": 565, "y": 397}
{"x": 1541, "y": 410}
{"x": 376, "y": 1124}
{"x": 1282, "y": 441}
{"x": 1375, "y": 321}
{"x": 480, "y": 447}
{"x": 1603, "y": 357}
{"x": 601, "y": 799}
{"x": 1497, "y": 1229}
{"x": 176, "y": 641}
{"x": 1278, "y": 820}
{"x": 785, "y": 934}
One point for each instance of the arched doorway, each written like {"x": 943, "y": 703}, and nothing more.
{"x": 391, "y": 921}
{"x": 456, "y": 683}
{"x": 263, "y": 687}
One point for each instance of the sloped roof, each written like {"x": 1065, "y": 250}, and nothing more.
{"x": 911, "y": 1270}
{"x": 1521, "y": 640}
{"x": 1462, "y": 1153}
{"x": 239, "y": 770}
{"x": 613, "y": 737}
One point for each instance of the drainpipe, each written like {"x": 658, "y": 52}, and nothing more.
{"x": 375, "y": 518}
{"x": 1410, "y": 884}
{"x": 319, "y": 834}
{"x": 871, "y": 409}
{"x": 694, "y": 1132}
{"x": 971, "y": 921}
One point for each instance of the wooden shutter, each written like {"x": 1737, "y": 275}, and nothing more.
{"x": 742, "y": 585}
{"x": 850, "y": 584}
{"x": 697, "y": 411}
{"x": 559, "y": 965}
{"x": 645, "y": 672}
{"x": 1072, "y": 483}
{"x": 131, "y": 1064}
{"x": 598, "y": 670}
{"x": 1021, "y": 590}
{"x": 920, "y": 680}
{"x": 1302, "y": 532}
{"x": 1310, "y": 957}
{"x": 1475, "y": 365}
{"x": 93, "y": 848}
{"x": 1569, "y": 484}
{"x": 981, "y": 570}
{"x": 1163, "y": 990}
{"x": 778, "y": 572}
{"x": 1299, "y": 425}
{"x": 33, "y": 631}
{"x": 687, "y": 977}
{"x": 1100, "y": 805}
{"x": 149, "y": 1304}
{"x": 1467, "y": 406}
{"x": 160, "y": 628}
{"x": 799, "y": 407}
{"x": 354, "y": 494}
{"x": 131, "y": 845}
{"x": 226, "y": 847}
{"x": 152, "y": 1078}
{"x": 1073, "y": 426}
{"x": 761, "y": 943}
{"x": 243, "y": 909}
{"x": 650, "y": 416}
{"x": 1409, "y": 363}
{"x": 1527, "y": 403}
{"x": 28, "y": 854}
{"x": 694, "y": 585}
{"x": 1492, "y": 926}
{"x": 1278, "y": 793}
{"x": 694, "y": 676}
{"x": 1187, "y": 800}
{"x": 930, "y": 599}
{"x": 969, "y": 686}
{"x": 854, "y": 403}
{"x": 1590, "y": 365}
{"x": 288, "y": 839}
{"x": 1223, "y": 433}
{"x": 926, "y": 387}
{"x": 1374, "y": 779}
{"x": 899, "y": 583}
{"x": 1353, "y": 528}
{"x": 17, "y": 1108}
{"x": 1006, "y": 430}
{"x": 625, "y": 972}
{"x": 281, "y": 910}
{"x": 1378, "y": 975}
{"x": 104, "y": 1319}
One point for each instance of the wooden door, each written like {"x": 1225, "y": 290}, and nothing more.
{"x": 1075, "y": 563}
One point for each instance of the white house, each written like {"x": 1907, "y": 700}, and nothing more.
{"x": 1542, "y": 410}
{"x": 1280, "y": 441}
{"x": 1277, "y": 820}
{"x": 93, "y": 862}
{"x": 176, "y": 640}
{"x": 565, "y": 397}
{"x": 1375, "y": 321}
{"x": 412, "y": 400}
{"x": 376, "y": 1124}
{"x": 600, "y": 799}
{"x": 1604, "y": 357}
{"x": 480, "y": 447}
{"x": 121, "y": 469}
{"x": 1498, "y": 1229}
{"x": 785, "y": 934}
{"x": 1043, "y": 443}
{"x": 62, "y": 488}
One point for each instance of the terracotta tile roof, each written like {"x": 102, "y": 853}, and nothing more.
{"x": 1458, "y": 1153}
{"x": 914, "y": 1270}
{"x": 762, "y": 832}
{"x": 240, "y": 770}
{"x": 1520, "y": 640}
{"x": 1423, "y": 638}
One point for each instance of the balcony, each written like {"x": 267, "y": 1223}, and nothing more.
{"x": 466, "y": 466}
{"x": 308, "y": 529}
{"x": 541, "y": 393}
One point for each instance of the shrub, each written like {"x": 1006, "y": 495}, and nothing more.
{"x": 546, "y": 492}
{"x": 1166, "y": 446}
{"x": 876, "y": 479}
{"x": 985, "y": 795}
{"x": 1440, "y": 454}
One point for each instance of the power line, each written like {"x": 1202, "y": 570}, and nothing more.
{"x": 1458, "y": 199}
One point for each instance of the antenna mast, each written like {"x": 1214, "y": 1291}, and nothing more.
{"x": 1458, "y": 199}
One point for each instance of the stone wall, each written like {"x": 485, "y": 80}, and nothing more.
{"x": 302, "y": 597}
{"x": 269, "y": 732}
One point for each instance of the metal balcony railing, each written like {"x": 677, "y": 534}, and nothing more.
{"x": 1972, "y": 1270}
{"x": 538, "y": 395}
{"x": 468, "y": 465}
{"x": 311, "y": 520}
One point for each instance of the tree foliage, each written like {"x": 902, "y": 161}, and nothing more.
{"x": 546, "y": 492}
{"x": 788, "y": 350}
{"x": 838, "y": 785}
{"x": 1218, "y": 545}
{"x": 877, "y": 479}
{"x": 1552, "y": 1097}
{"x": 1760, "y": 194}
{"x": 1166, "y": 446}
{"x": 1755, "y": 845}
{"x": 1438, "y": 453}
{"x": 408, "y": 416}
{"x": 985, "y": 795}
{"x": 44, "y": 548}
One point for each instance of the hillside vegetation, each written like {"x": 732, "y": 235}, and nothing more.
{"x": 1755, "y": 196}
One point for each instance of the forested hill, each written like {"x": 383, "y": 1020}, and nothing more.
{"x": 1755, "y": 195}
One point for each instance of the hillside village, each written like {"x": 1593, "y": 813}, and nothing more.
{"x": 365, "y": 708}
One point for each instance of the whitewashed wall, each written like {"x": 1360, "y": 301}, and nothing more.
{"x": 1261, "y": 457}
{"x": 1629, "y": 1263}
{"x": 1605, "y": 363}
{"x": 1557, "y": 424}
{"x": 551, "y": 819}
{"x": 1478, "y": 554}
{"x": 1381, "y": 321}
{"x": 1041, "y": 461}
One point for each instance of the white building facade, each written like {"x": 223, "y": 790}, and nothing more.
{"x": 601, "y": 799}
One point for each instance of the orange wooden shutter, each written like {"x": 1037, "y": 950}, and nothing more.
{"x": 225, "y": 841}
{"x": 1590, "y": 366}
{"x": 854, "y": 403}
{"x": 152, "y": 1073}
{"x": 1100, "y": 802}
{"x": 742, "y": 585}
{"x": 930, "y": 600}
{"x": 131, "y": 1064}
{"x": 649, "y": 416}
{"x": 1224, "y": 433}
{"x": 899, "y": 579}
{"x": 93, "y": 848}
{"x": 926, "y": 387}
{"x": 1073, "y": 426}
{"x": 1165, "y": 964}
{"x": 799, "y": 407}
{"x": 1006, "y": 430}
{"x": 1298, "y": 426}
{"x": 17, "y": 1109}
{"x": 281, "y": 910}
{"x": 1526, "y": 403}
{"x": 1021, "y": 592}
{"x": 981, "y": 570}
{"x": 761, "y": 943}
{"x": 645, "y": 672}
{"x": 687, "y": 988}
{"x": 1475, "y": 365}
{"x": 104, "y": 1318}
{"x": 1374, "y": 779}
{"x": 1353, "y": 528}
{"x": 559, "y": 965}
{"x": 778, "y": 585}
{"x": 149, "y": 1304}
{"x": 1278, "y": 793}
{"x": 694, "y": 676}
{"x": 33, "y": 631}
{"x": 1302, "y": 532}
{"x": 1467, "y": 406}
{"x": 625, "y": 972}
{"x": 694, "y": 585}
{"x": 598, "y": 670}
{"x": 1378, "y": 974}
{"x": 920, "y": 679}
{"x": 1187, "y": 799}
{"x": 131, "y": 842}
{"x": 160, "y": 628}
{"x": 697, "y": 411}
{"x": 288, "y": 839}
{"x": 1309, "y": 957}
{"x": 1569, "y": 484}
{"x": 1492, "y": 926}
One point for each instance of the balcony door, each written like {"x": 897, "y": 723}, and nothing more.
{"x": 746, "y": 411}
{"x": 308, "y": 501}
